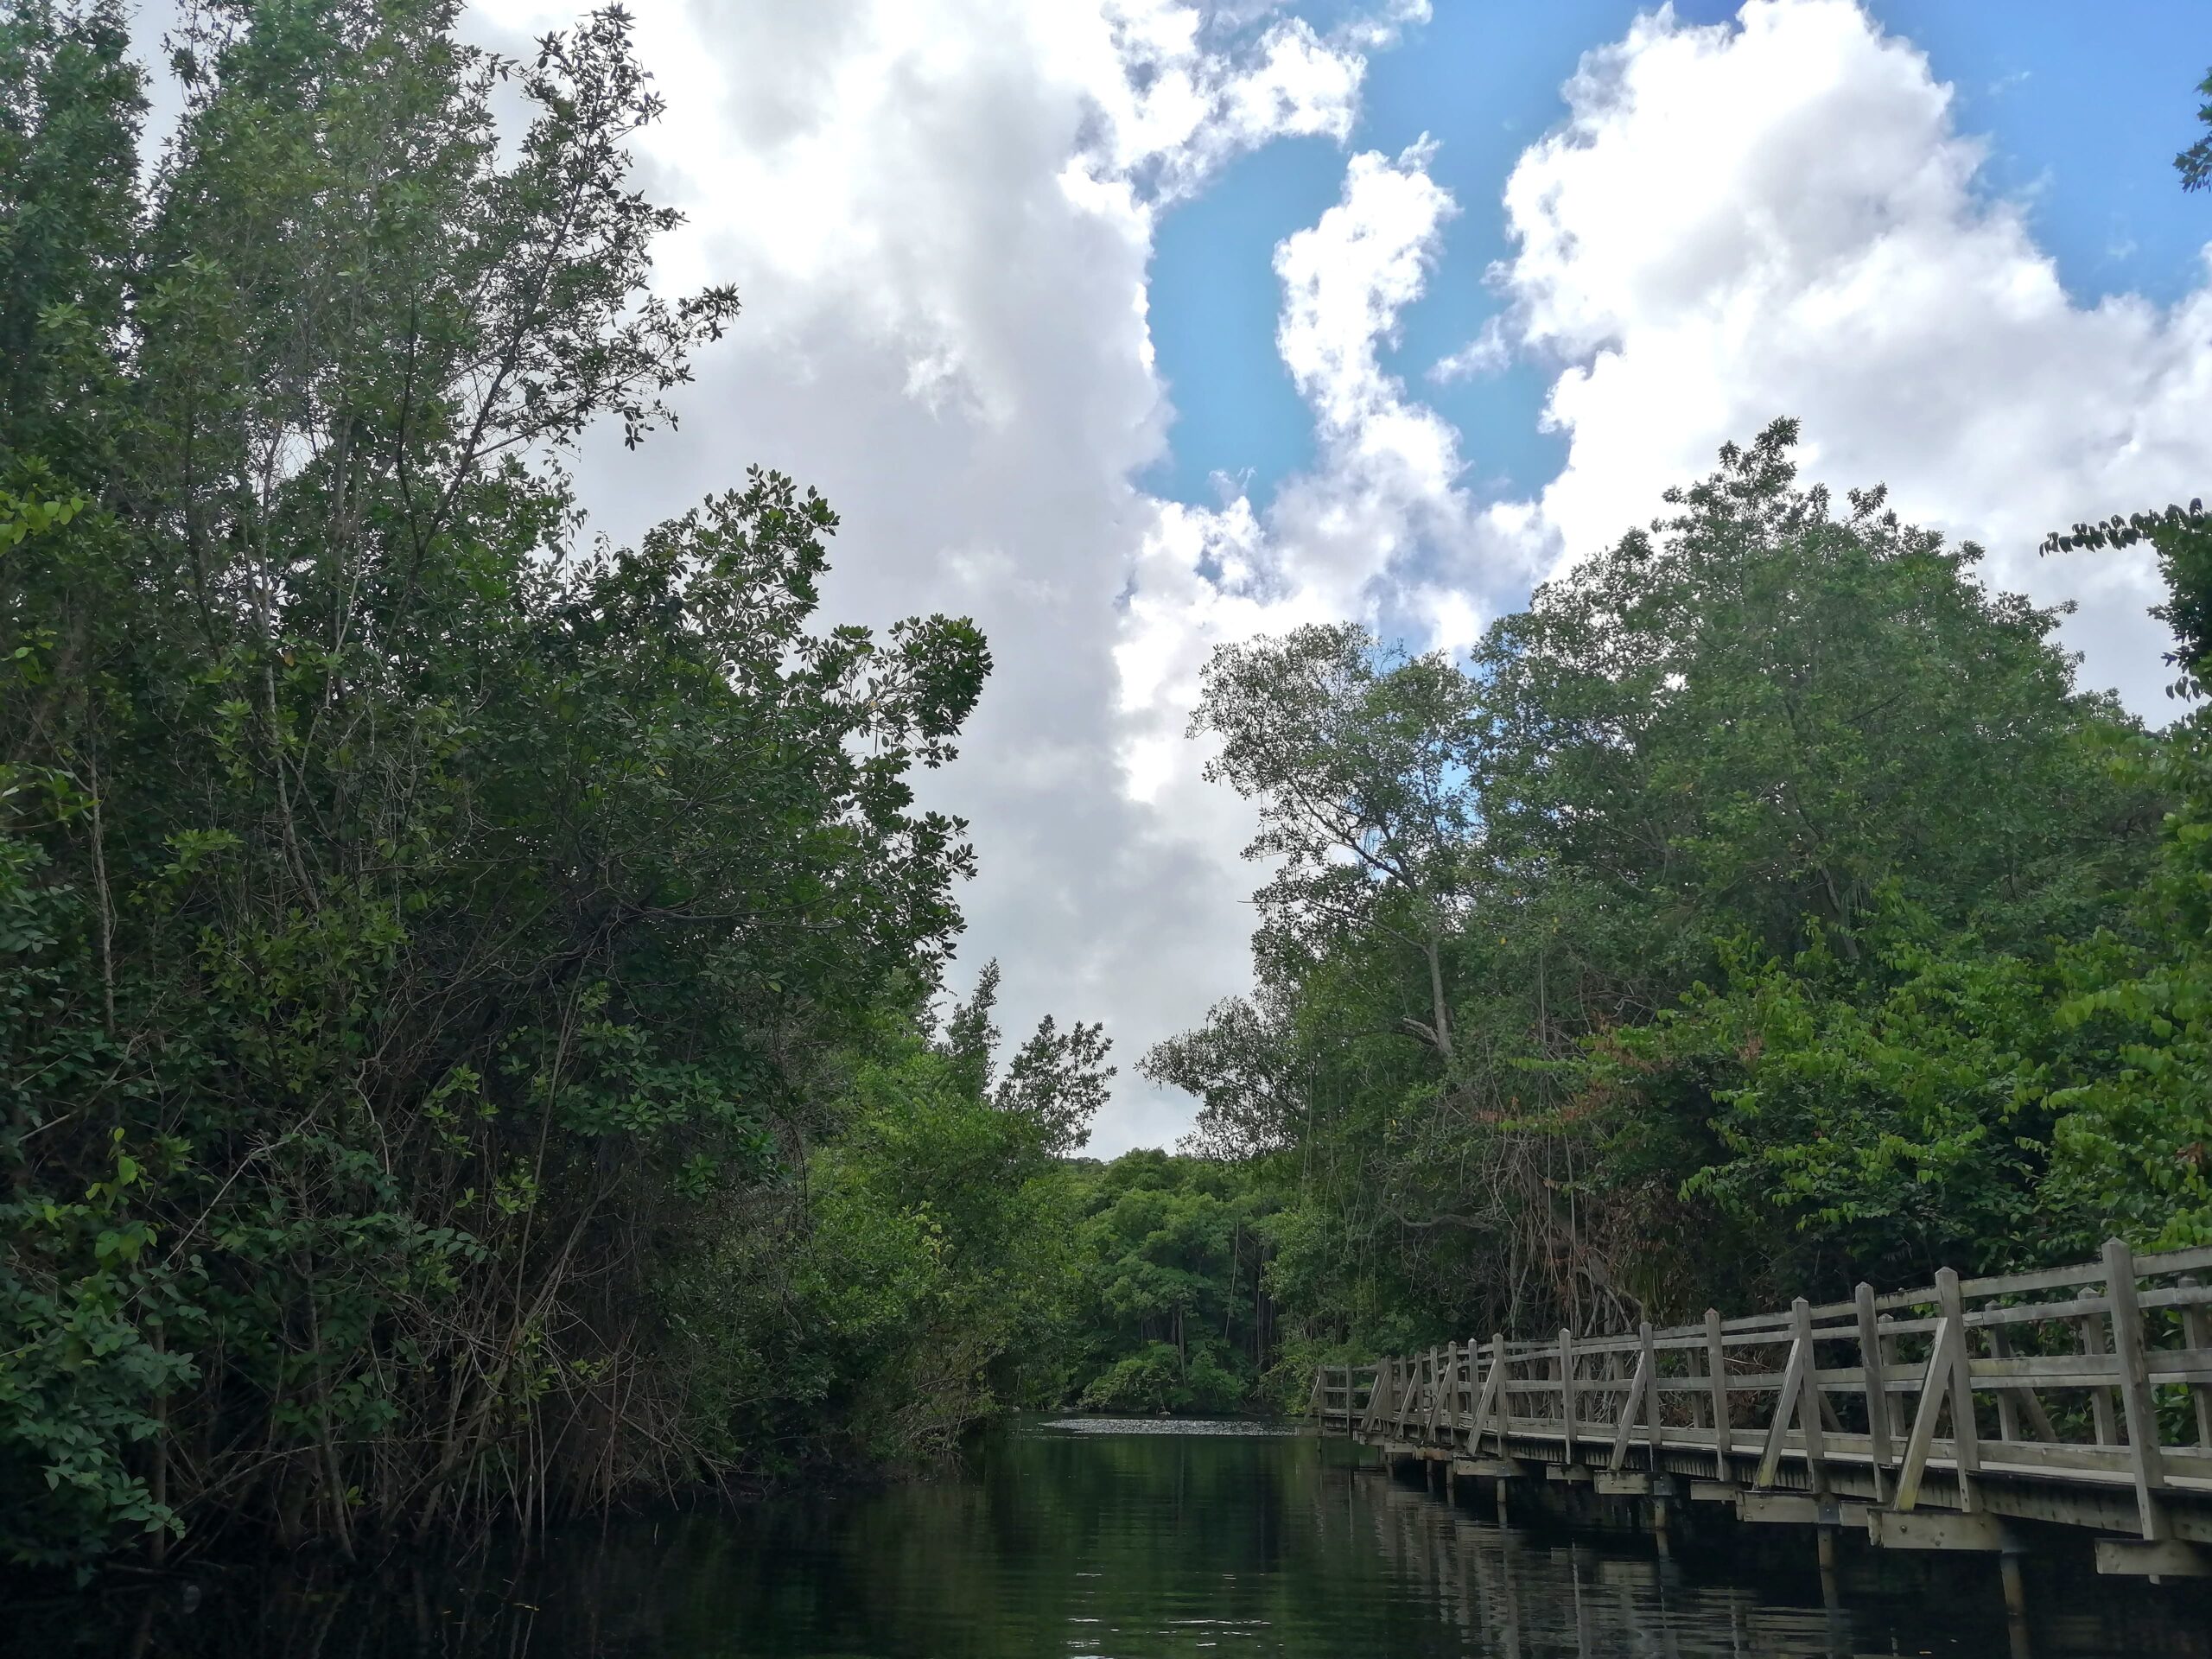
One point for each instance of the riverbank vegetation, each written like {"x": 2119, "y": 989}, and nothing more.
{"x": 1763, "y": 909}
{"x": 470, "y": 1032}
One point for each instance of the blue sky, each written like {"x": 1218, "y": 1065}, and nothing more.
{"x": 2083, "y": 108}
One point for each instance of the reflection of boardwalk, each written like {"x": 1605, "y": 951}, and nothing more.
{"x": 1518, "y": 1597}
{"x": 1964, "y": 1415}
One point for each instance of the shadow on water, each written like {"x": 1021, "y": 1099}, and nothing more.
{"x": 1121, "y": 1539}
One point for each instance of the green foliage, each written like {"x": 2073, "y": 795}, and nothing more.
{"x": 2133, "y": 1142}
{"x": 2194, "y": 163}
{"x": 1173, "y": 1312}
{"x": 1701, "y": 939}
{"x": 461, "y": 984}
{"x": 917, "y": 1282}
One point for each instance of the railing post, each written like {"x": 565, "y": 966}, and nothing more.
{"x": 1875, "y": 1384}
{"x": 1435, "y": 1395}
{"x": 1639, "y": 1391}
{"x": 1808, "y": 1403}
{"x": 2196, "y": 1334}
{"x": 1566, "y": 1390}
{"x": 2100, "y": 1411}
{"x": 1474, "y": 1384}
{"x": 2147, "y": 1462}
{"x": 1716, "y": 1366}
{"x": 1654, "y": 1428}
{"x": 1965, "y": 1439}
{"x": 1500, "y": 1402}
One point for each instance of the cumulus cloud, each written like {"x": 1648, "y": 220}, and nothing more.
{"x": 1780, "y": 217}
{"x": 1363, "y": 533}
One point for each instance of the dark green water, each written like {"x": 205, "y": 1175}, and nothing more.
{"x": 1134, "y": 1541}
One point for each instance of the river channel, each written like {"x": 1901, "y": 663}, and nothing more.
{"x": 1121, "y": 1540}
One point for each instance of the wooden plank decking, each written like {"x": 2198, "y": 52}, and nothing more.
{"x": 2075, "y": 1396}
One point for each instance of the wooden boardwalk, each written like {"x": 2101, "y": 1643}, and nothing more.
{"x": 1963, "y": 1415}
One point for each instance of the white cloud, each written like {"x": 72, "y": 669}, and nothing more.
{"x": 1780, "y": 217}
{"x": 1487, "y": 353}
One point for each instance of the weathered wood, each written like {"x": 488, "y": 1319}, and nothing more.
{"x": 2141, "y": 1412}
{"x": 1965, "y": 1434}
{"x": 1716, "y": 1361}
{"x": 2008, "y": 1414}
{"x": 1638, "y": 1391}
{"x": 1923, "y": 1529}
{"x": 2054, "y": 1371}
{"x": 2038, "y": 1313}
{"x": 1921, "y": 1441}
{"x": 1786, "y": 1407}
{"x": 1891, "y": 1366}
{"x": 1654, "y": 1435}
{"x": 1814, "y": 1413}
{"x": 1492, "y": 1399}
{"x": 1573, "y": 1406}
{"x": 1566, "y": 1389}
{"x": 2091, "y": 1333}
{"x": 2196, "y": 1333}
{"x": 1873, "y": 1389}
{"x": 2164, "y": 1559}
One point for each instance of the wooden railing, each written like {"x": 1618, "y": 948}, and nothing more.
{"x": 2080, "y": 1394}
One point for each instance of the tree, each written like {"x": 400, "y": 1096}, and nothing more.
{"x": 434, "y": 942}
{"x": 1741, "y": 858}
{"x": 1057, "y": 1081}
{"x": 1174, "y": 1313}
{"x": 2194, "y": 163}
{"x": 2132, "y": 1148}
{"x": 1366, "y": 770}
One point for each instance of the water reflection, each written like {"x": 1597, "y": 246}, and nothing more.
{"x": 1097, "y": 1541}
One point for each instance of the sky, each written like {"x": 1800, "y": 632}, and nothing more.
{"x": 1130, "y": 327}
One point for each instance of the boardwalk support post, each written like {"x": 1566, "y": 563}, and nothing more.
{"x": 1567, "y": 1389}
{"x": 1639, "y": 1394}
{"x": 1716, "y": 1366}
{"x": 2147, "y": 1462}
{"x": 1875, "y": 1385}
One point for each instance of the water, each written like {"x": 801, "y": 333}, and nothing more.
{"x": 1104, "y": 1541}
